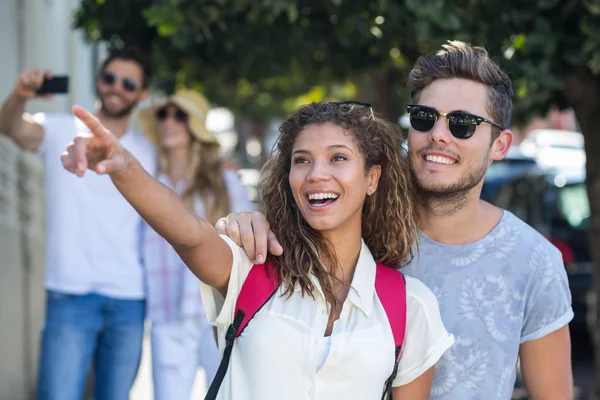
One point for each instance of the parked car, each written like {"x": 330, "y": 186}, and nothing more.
{"x": 554, "y": 202}
{"x": 500, "y": 172}
{"x": 555, "y": 148}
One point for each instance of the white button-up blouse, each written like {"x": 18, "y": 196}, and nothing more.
{"x": 277, "y": 354}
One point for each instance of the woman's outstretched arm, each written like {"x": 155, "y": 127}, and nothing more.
{"x": 197, "y": 243}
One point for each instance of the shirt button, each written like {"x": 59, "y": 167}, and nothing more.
{"x": 336, "y": 353}
{"x": 315, "y": 342}
{"x": 310, "y": 393}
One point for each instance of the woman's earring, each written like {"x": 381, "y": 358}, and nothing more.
{"x": 370, "y": 192}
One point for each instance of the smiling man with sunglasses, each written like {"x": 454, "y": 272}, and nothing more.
{"x": 501, "y": 286}
{"x": 95, "y": 292}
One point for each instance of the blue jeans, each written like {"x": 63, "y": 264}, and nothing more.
{"x": 82, "y": 328}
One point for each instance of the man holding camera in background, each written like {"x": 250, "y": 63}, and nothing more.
{"x": 95, "y": 292}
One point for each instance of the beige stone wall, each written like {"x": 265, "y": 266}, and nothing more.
{"x": 21, "y": 269}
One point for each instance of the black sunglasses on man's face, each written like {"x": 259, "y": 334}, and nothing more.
{"x": 461, "y": 124}
{"x": 109, "y": 79}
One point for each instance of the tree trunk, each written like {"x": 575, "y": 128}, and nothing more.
{"x": 253, "y": 131}
{"x": 387, "y": 98}
{"x": 380, "y": 90}
{"x": 583, "y": 93}
{"x": 239, "y": 154}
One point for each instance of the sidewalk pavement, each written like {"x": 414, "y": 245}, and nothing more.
{"x": 142, "y": 387}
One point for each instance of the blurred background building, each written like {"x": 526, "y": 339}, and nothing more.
{"x": 33, "y": 34}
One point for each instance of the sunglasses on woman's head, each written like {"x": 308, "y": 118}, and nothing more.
{"x": 178, "y": 115}
{"x": 108, "y": 78}
{"x": 461, "y": 124}
{"x": 347, "y": 105}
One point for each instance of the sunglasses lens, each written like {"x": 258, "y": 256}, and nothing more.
{"x": 109, "y": 78}
{"x": 462, "y": 126}
{"x": 162, "y": 114}
{"x": 129, "y": 85}
{"x": 423, "y": 118}
{"x": 181, "y": 116}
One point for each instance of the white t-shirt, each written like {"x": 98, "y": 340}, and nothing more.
{"x": 93, "y": 233}
{"x": 277, "y": 354}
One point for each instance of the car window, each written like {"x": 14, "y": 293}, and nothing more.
{"x": 574, "y": 205}
{"x": 509, "y": 167}
{"x": 528, "y": 199}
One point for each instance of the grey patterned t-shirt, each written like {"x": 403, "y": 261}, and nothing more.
{"x": 494, "y": 294}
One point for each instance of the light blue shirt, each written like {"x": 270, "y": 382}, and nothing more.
{"x": 508, "y": 288}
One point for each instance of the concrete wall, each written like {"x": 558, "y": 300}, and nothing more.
{"x": 21, "y": 269}
{"x": 12, "y": 346}
{"x": 9, "y": 44}
{"x": 38, "y": 34}
{"x": 33, "y": 34}
{"x": 32, "y": 216}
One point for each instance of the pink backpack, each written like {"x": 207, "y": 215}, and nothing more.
{"x": 262, "y": 283}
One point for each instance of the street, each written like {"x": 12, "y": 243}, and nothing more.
{"x": 142, "y": 388}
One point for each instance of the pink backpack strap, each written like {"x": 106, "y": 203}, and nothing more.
{"x": 259, "y": 286}
{"x": 390, "y": 286}
{"x": 262, "y": 282}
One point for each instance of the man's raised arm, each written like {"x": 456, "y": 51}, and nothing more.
{"x": 14, "y": 122}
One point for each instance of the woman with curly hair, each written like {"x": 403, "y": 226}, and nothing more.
{"x": 337, "y": 193}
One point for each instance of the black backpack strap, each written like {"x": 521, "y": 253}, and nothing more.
{"x": 388, "y": 383}
{"x": 229, "y": 340}
{"x": 260, "y": 285}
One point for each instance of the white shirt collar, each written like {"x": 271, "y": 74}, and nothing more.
{"x": 363, "y": 282}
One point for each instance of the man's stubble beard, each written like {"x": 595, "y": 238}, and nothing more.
{"x": 121, "y": 114}
{"x": 443, "y": 199}
{"x": 124, "y": 113}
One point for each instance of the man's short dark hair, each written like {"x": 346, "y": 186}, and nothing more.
{"x": 460, "y": 60}
{"x": 135, "y": 55}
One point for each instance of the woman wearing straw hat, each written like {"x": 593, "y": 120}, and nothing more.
{"x": 190, "y": 164}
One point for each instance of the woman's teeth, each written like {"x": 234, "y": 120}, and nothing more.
{"x": 321, "y": 196}
{"x": 322, "y": 199}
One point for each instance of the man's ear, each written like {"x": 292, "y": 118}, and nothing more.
{"x": 501, "y": 145}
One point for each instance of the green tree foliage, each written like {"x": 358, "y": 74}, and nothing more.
{"x": 252, "y": 55}
{"x": 257, "y": 56}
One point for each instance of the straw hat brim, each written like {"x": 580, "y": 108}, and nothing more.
{"x": 196, "y": 121}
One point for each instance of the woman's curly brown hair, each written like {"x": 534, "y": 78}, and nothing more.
{"x": 388, "y": 217}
